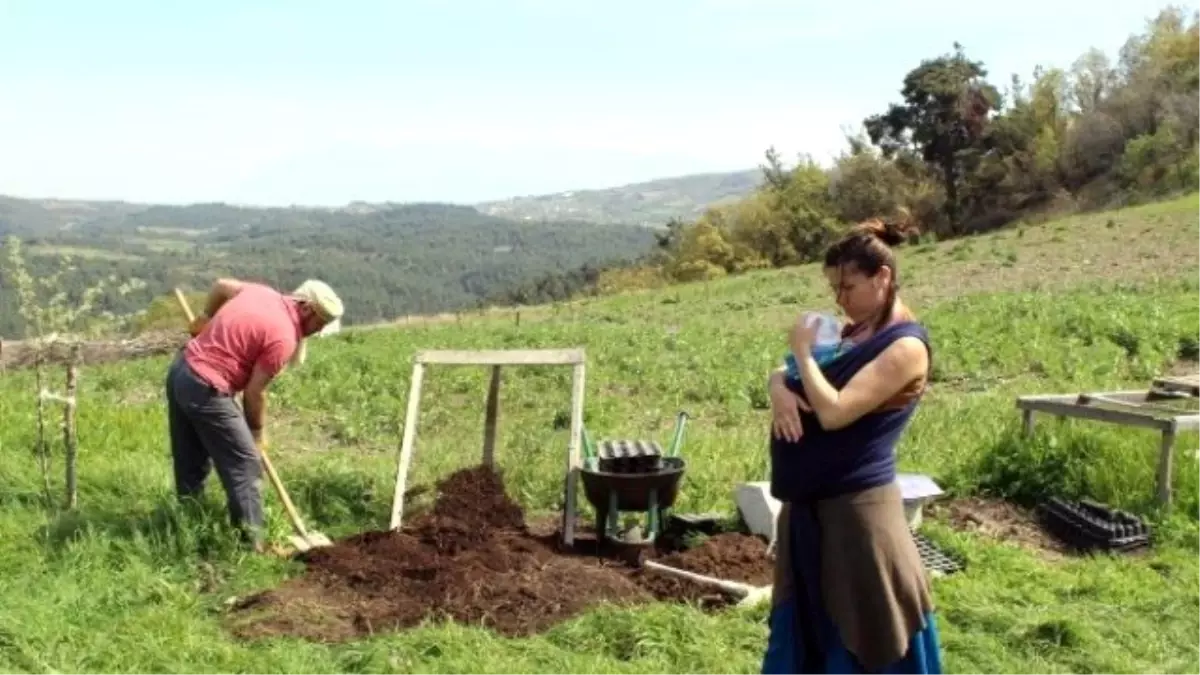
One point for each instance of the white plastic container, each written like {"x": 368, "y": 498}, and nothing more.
{"x": 758, "y": 509}
{"x": 916, "y": 490}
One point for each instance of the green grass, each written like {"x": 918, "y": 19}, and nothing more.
{"x": 129, "y": 584}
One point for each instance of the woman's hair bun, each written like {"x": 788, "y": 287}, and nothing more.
{"x": 891, "y": 231}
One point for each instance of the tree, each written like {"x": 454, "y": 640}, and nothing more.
{"x": 946, "y": 108}
{"x": 49, "y": 323}
{"x": 1093, "y": 80}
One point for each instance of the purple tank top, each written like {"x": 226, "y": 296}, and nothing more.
{"x": 825, "y": 464}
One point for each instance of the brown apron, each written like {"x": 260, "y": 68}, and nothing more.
{"x": 874, "y": 586}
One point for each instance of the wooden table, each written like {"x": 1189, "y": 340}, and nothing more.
{"x": 1141, "y": 408}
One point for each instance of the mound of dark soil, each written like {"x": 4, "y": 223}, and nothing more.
{"x": 473, "y": 559}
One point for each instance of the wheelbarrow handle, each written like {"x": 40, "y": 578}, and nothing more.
{"x": 589, "y": 450}
{"x": 680, "y": 422}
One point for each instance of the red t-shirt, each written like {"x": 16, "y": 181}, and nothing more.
{"x": 258, "y": 326}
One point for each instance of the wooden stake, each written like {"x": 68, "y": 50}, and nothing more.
{"x": 489, "y": 423}
{"x": 574, "y": 460}
{"x": 43, "y": 452}
{"x": 406, "y": 446}
{"x": 70, "y": 441}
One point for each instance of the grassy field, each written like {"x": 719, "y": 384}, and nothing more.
{"x": 129, "y": 584}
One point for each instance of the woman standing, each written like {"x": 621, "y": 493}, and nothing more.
{"x": 851, "y": 594}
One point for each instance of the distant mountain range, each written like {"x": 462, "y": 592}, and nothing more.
{"x": 388, "y": 259}
{"x": 651, "y": 203}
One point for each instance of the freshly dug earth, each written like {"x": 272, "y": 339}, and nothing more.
{"x": 999, "y": 520}
{"x": 473, "y": 559}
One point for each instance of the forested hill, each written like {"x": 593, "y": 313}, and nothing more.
{"x": 386, "y": 261}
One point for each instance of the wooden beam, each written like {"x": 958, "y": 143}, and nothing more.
{"x": 1067, "y": 406}
{"x": 406, "y": 447}
{"x": 1188, "y": 423}
{"x": 1146, "y": 403}
{"x": 1189, "y": 384}
{"x": 502, "y": 357}
{"x": 574, "y": 459}
{"x": 1138, "y": 396}
{"x": 1138, "y": 402}
{"x": 491, "y": 418}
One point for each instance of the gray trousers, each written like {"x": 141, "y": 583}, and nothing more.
{"x": 209, "y": 429}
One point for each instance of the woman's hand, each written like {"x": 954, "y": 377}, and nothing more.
{"x": 785, "y": 410}
{"x": 802, "y": 336}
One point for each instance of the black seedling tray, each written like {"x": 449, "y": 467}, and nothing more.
{"x": 697, "y": 523}
{"x": 1087, "y": 524}
{"x": 624, "y": 456}
{"x": 934, "y": 558}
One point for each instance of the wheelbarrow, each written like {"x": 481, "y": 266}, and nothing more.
{"x": 632, "y": 476}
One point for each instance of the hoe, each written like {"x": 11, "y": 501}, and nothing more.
{"x": 747, "y": 595}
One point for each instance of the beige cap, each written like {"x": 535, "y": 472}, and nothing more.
{"x": 322, "y": 298}
{"x": 325, "y": 301}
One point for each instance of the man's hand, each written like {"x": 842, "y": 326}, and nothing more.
{"x": 785, "y": 410}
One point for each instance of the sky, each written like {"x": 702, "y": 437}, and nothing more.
{"x": 323, "y": 103}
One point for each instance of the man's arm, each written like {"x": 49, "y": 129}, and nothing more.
{"x": 254, "y": 398}
{"x": 220, "y": 293}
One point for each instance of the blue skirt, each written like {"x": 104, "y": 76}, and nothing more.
{"x": 784, "y": 652}
{"x": 803, "y": 638}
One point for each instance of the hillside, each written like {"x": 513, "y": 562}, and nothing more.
{"x": 1105, "y": 301}
{"x": 386, "y": 261}
{"x": 389, "y": 259}
{"x": 652, "y": 203}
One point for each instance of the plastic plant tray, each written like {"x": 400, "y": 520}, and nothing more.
{"x": 1087, "y": 524}
{"x": 627, "y": 456}
{"x": 934, "y": 559}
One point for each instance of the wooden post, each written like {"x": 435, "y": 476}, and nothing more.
{"x": 489, "y": 424}
{"x": 70, "y": 441}
{"x": 495, "y": 358}
{"x": 574, "y": 461}
{"x": 1027, "y": 422}
{"x": 1165, "y": 461}
{"x": 406, "y": 446}
{"x": 43, "y": 451}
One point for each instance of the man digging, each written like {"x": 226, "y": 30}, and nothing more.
{"x": 246, "y": 336}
